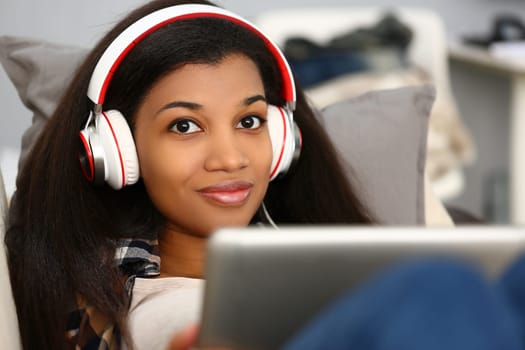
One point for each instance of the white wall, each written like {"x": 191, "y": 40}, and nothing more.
{"x": 83, "y": 22}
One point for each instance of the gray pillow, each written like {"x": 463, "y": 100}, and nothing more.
{"x": 382, "y": 134}
{"x": 381, "y": 137}
{"x": 40, "y": 72}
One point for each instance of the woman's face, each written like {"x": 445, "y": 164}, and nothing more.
{"x": 203, "y": 145}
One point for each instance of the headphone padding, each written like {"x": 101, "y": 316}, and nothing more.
{"x": 120, "y": 153}
{"x": 278, "y": 130}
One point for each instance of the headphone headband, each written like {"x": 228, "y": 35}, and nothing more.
{"x": 119, "y": 48}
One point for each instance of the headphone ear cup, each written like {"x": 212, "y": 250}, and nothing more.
{"x": 120, "y": 155}
{"x": 279, "y": 132}
{"x": 85, "y": 155}
{"x": 91, "y": 156}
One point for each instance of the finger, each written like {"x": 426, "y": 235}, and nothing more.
{"x": 185, "y": 339}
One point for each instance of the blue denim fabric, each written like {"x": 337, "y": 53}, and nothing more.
{"x": 512, "y": 286}
{"x": 418, "y": 305}
{"x": 325, "y": 66}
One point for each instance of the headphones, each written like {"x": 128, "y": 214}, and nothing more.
{"x": 107, "y": 151}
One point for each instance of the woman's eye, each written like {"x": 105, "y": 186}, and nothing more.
{"x": 185, "y": 126}
{"x": 250, "y": 122}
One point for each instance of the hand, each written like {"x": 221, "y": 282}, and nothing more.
{"x": 185, "y": 339}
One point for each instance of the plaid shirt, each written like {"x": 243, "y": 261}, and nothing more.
{"x": 88, "y": 328}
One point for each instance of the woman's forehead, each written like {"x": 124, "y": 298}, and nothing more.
{"x": 234, "y": 82}
{"x": 234, "y": 71}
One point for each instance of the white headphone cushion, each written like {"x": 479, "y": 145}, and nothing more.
{"x": 278, "y": 130}
{"x": 120, "y": 153}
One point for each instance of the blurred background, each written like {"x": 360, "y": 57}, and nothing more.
{"x": 475, "y": 149}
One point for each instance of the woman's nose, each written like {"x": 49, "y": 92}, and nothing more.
{"x": 225, "y": 153}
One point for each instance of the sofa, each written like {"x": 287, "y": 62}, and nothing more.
{"x": 9, "y": 334}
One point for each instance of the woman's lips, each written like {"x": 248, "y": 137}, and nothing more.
{"x": 232, "y": 193}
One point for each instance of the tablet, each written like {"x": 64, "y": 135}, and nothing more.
{"x": 263, "y": 285}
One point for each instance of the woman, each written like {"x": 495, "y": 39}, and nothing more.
{"x": 191, "y": 130}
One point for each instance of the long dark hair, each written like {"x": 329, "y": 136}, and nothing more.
{"x": 62, "y": 231}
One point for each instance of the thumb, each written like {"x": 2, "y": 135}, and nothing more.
{"x": 185, "y": 339}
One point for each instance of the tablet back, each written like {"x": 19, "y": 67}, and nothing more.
{"x": 262, "y": 285}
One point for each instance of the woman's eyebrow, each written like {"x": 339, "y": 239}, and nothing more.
{"x": 196, "y": 106}
{"x": 248, "y": 101}
{"x": 183, "y": 104}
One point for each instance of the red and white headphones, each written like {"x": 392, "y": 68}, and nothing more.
{"x": 108, "y": 151}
